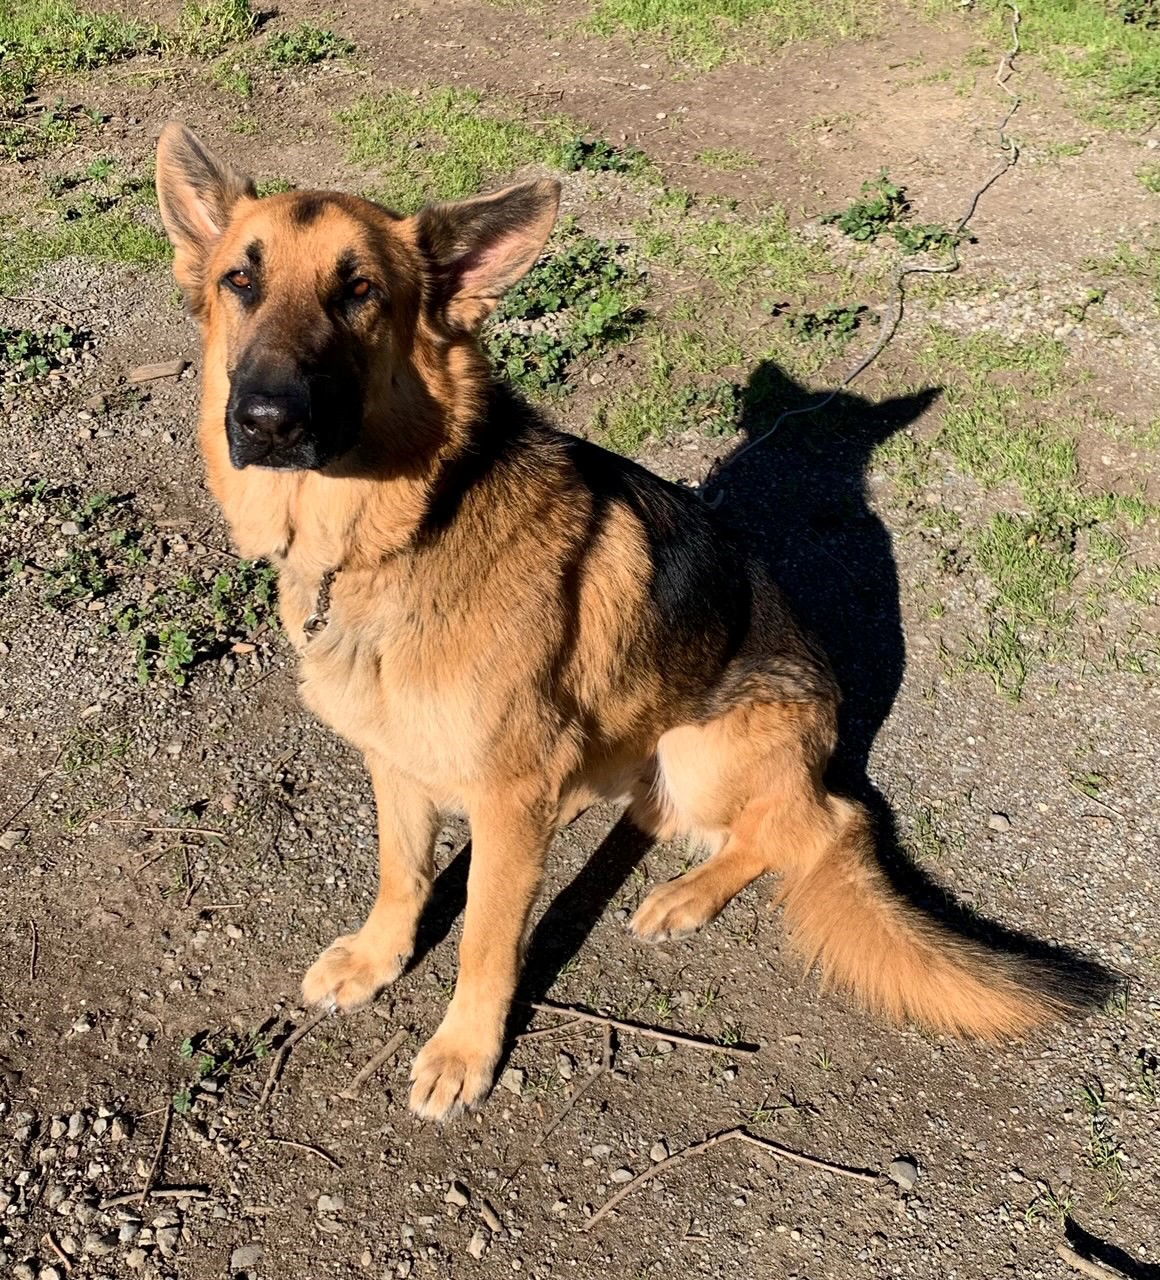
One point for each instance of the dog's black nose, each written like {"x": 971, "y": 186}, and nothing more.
{"x": 273, "y": 421}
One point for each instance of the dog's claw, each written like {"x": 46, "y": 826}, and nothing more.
{"x": 350, "y": 973}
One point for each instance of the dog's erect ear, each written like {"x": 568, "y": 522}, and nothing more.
{"x": 197, "y": 194}
{"x": 477, "y": 249}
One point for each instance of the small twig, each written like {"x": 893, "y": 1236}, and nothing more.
{"x": 158, "y": 1155}
{"x": 385, "y": 1054}
{"x": 31, "y": 796}
{"x": 168, "y": 831}
{"x": 774, "y": 1149}
{"x": 35, "y": 950}
{"x": 544, "y": 1032}
{"x": 309, "y": 1148}
{"x": 157, "y": 1193}
{"x": 1085, "y": 1266}
{"x": 1079, "y": 791}
{"x": 65, "y": 1261}
{"x": 580, "y": 1090}
{"x": 285, "y": 1050}
{"x": 640, "y": 1029}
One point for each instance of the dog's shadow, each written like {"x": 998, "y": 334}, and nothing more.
{"x": 799, "y": 500}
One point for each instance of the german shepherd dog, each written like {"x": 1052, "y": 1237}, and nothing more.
{"x": 512, "y": 623}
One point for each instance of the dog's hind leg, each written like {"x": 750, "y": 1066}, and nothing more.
{"x": 739, "y": 784}
{"x": 356, "y": 967}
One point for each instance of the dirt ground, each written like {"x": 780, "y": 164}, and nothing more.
{"x": 178, "y": 848}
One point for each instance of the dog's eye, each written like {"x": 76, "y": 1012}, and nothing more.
{"x": 358, "y": 289}
{"x": 241, "y": 280}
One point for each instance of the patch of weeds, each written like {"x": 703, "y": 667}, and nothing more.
{"x": 172, "y": 631}
{"x": 883, "y": 209}
{"x": 28, "y": 354}
{"x": 1090, "y": 784}
{"x": 598, "y": 156}
{"x": 274, "y": 186}
{"x": 706, "y": 33}
{"x": 1050, "y": 1206}
{"x": 1136, "y": 262}
{"x": 727, "y": 159}
{"x": 1104, "y": 1153}
{"x": 1030, "y": 567}
{"x": 445, "y": 144}
{"x": 98, "y": 215}
{"x": 89, "y": 749}
{"x": 1150, "y": 178}
{"x": 1077, "y": 311}
{"x": 1147, "y": 1077}
{"x": 834, "y": 325}
{"x": 207, "y": 30}
{"x": 41, "y": 38}
{"x": 31, "y": 134}
{"x": 927, "y": 842}
{"x": 581, "y": 300}
{"x": 217, "y": 1057}
{"x": 304, "y": 46}
{"x": 660, "y": 410}
{"x": 233, "y": 77}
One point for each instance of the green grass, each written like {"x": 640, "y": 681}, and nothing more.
{"x": 304, "y": 46}
{"x": 1150, "y": 178}
{"x": 43, "y": 38}
{"x": 727, "y": 159}
{"x": 705, "y": 33}
{"x": 577, "y": 302}
{"x": 446, "y": 144}
{"x": 208, "y": 30}
{"x": 1112, "y": 65}
{"x": 97, "y": 214}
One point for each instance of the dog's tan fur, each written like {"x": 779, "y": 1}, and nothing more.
{"x": 514, "y": 667}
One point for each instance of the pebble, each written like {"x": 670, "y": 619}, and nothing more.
{"x": 10, "y": 839}
{"x": 477, "y": 1245}
{"x": 601, "y": 1149}
{"x": 457, "y": 1194}
{"x": 665, "y": 1047}
{"x": 491, "y": 1218}
{"x": 659, "y": 1151}
{"x": 151, "y": 372}
{"x": 999, "y": 822}
{"x": 245, "y": 1257}
{"x": 621, "y": 1175}
{"x": 566, "y": 1065}
{"x": 331, "y": 1204}
{"x": 904, "y": 1172}
{"x": 135, "y": 1259}
{"x": 100, "y": 1244}
{"x": 513, "y": 1080}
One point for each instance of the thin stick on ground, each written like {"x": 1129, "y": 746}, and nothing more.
{"x": 309, "y": 1148}
{"x": 35, "y": 953}
{"x": 63, "y": 1258}
{"x": 581, "y": 1089}
{"x": 641, "y": 1029}
{"x": 285, "y": 1050}
{"x": 158, "y": 1156}
{"x": 168, "y": 831}
{"x": 157, "y": 1193}
{"x": 774, "y": 1149}
{"x": 384, "y": 1055}
{"x": 1085, "y": 1266}
{"x": 544, "y": 1033}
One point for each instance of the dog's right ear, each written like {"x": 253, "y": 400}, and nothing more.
{"x": 197, "y": 194}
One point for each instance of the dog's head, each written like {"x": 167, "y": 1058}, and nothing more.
{"x": 328, "y": 320}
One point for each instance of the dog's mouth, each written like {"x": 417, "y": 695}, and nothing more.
{"x": 288, "y": 427}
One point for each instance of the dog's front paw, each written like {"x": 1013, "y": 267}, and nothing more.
{"x": 453, "y": 1072}
{"x": 675, "y": 910}
{"x": 351, "y": 972}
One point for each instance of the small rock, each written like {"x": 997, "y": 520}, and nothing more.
{"x": 70, "y": 528}
{"x": 365, "y": 1258}
{"x": 167, "y": 1238}
{"x": 491, "y": 1218}
{"x": 49, "y": 1273}
{"x": 120, "y": 1129}
{"x": 135, "y": 1259}
{"x": 245, "y": 1257}
{"x": 999, "y": 822}
{"x": 232, "y": 931}
{"x": 10, "y": 839}
{"x": 331, "y": 1204}
{"x": 457, "y": 1194}
{"x": 566, "y": 1066}
{"x": 76, "y": 1124}
{"x": 57, "y": 1129}
{"x": 22, "y": 1271}
{"x": 904, "y": 1172}
{"x": 513, "y": 1080}
{"x": 477, "y": 1245}
{"x": 601, "y": 1149}
{"x": 664, "y": 1047}
{"x": 621, "y": 1175}
{"x": 152, "y": 372}
{"x": 659, "y": 1151}
{"x": 100, "y": 1245}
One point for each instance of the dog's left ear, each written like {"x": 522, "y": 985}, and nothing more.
{"x": 197, "y": 193}
{"x": 477, "y": 249}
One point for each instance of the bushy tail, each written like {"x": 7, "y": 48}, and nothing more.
{"x": 843, "y": 913}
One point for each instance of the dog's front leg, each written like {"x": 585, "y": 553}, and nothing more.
{"x": 356, "y": 966}
{"x": 509, "y": 840}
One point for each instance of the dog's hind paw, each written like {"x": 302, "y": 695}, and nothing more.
{"x": 350, "y": 973}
